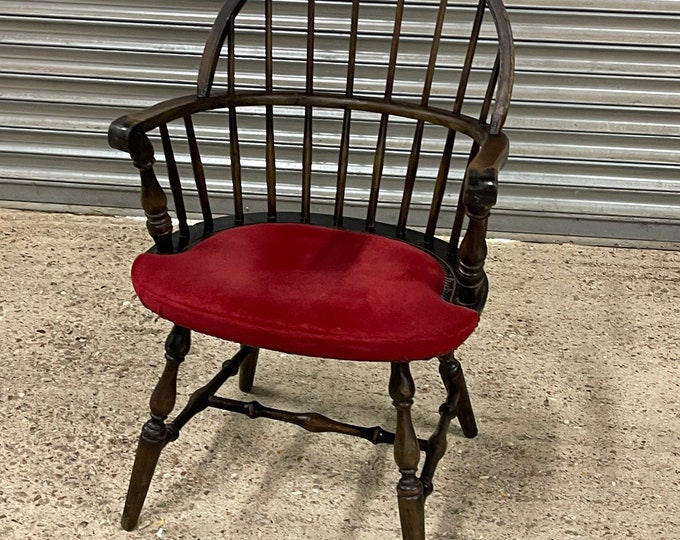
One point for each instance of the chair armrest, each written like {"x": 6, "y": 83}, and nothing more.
{"x": 482, "y": 174}
{"x": 128, "y": 133}
{"x": 126, "y": 129}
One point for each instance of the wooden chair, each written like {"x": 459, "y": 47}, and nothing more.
{"x": 383, "y": 147}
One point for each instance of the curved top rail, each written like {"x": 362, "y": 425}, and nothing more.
{"x": 213, "y": 46}
{"x": 506, "y": 54}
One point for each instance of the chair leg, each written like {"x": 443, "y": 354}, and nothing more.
{"x": 457, "y": 404}
{"x": 407, "y": 454}
{"x": 246, "y": 375}
{"x": 452, "y": 374}
{"x": 154, "y": 432}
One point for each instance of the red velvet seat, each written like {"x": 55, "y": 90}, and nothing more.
{"x": 308, "y": 290}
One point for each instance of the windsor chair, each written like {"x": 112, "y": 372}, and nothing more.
{"x": 361, "y": 129}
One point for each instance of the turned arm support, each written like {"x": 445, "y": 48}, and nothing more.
{"x": 153, "y": 198}
{"x": 480, "y": 196}
{"x": 129, "y": 134}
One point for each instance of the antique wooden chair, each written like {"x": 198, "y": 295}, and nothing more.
{"x": 386, "y": 146}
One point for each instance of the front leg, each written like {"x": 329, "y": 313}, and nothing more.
{"x": 154, "y": 432}
{"x": 407, "y": 454}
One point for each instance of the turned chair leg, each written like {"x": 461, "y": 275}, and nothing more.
{"x": 457, "y": 404}
{"x": 452, "y": 375}
{"x": 154, "y": 432}
{"x": 246, "y": 375}
{"x": 410, "y": 491}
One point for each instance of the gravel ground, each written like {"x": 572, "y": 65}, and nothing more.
{"x": 573, "y": 374}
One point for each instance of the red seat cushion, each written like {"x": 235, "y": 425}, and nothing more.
{"x": 308, "y": 290}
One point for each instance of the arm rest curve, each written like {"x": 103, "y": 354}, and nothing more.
{"x": 482, "y": 173}
{"x": 124, "y": 130}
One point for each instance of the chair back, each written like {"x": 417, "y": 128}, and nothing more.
{"x": 360, "y": 110}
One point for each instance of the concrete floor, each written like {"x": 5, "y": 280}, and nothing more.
{"x": 573, "y": 374}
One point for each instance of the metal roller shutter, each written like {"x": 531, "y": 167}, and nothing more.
{"x": 594, "y": 126}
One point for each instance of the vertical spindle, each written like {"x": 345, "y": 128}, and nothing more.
{"x": 307, "y": 137}
{"x": 270, "y": 157}
{"x": 412, "y": 168}
{"x": 343, "y": 157}
{"x": 175, "y": 184}
{"x": 379, "y": 160}
{"x": 199, "y": 175}
{"x": 234, "y": 148}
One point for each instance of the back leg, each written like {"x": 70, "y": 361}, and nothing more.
{"x": 246, "y": 375}
{"x": 457, "y": 404}
{"x": 452, "y": 375}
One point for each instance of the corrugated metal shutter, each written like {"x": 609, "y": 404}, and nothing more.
{"x": 595, "y": 122}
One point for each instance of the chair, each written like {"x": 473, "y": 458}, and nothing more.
{"x": 358, "y": 150}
